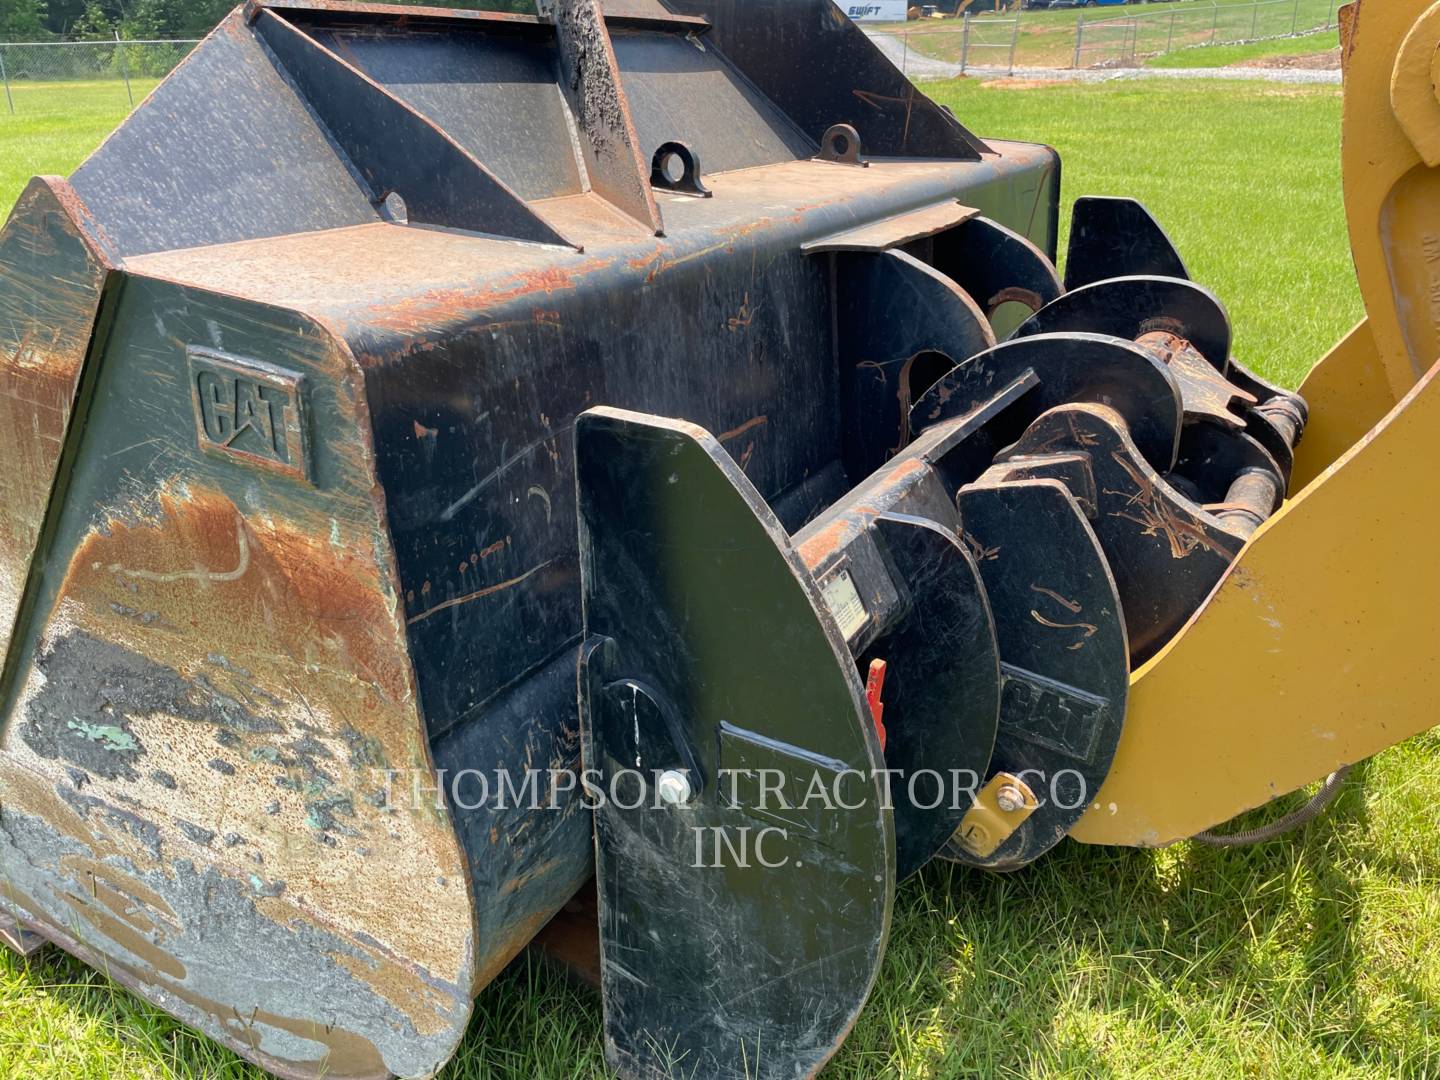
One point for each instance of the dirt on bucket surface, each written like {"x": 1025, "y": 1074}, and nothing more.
{"x": 1326, "y": 61}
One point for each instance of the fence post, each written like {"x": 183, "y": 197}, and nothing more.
{"x": 124, "y": 74}
{"x": 1170, "y": 37}
{"x": 1079, "y": 40}
{"x": 1330, "y": 18}
{"x": 1295, "y": 20}
{"x": 1254, "y": 20}
{"x": 965, "y": 44}
{"x": 1014, "y": 41}
{"x": 1215, "y": 24}
{"x": 6, "y": 80}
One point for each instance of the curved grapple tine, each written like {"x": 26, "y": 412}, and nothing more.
{"x": 1130, "y": 307}
{"x": 1069, "y": 367}
{"x": 1063, "y": 662}
{"x": 996, "y": 266}
{"x": 740, "y": 934}
{"x": 942, "y": 688}
{"x": 1114, "y": 237}
{"x": 1166, "y": 551}
{"x": 893, "y": 311}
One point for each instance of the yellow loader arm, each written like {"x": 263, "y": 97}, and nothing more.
{"x": 1321, "y": 646}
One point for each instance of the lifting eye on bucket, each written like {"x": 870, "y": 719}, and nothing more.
{"x": 841, "y": 144}
{"x": 675, "y": 167}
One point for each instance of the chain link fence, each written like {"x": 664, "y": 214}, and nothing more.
{"x": 45, "y": 74}
{"x": 935, "y": 47}
{"x": 1124, "y": 41}
{"x": 977, "y": 41}
{"x": 990, "y": 43}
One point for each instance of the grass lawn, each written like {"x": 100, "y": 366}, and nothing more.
{"x": 1213, "y": 56}
{"x": 55, "y": 125}
{"x": 1047, "y": 38}
{"x": 1251, "y": 197}
{"x": 1313, "y": 956}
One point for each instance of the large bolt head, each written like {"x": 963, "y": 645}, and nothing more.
{"x": 673, "y": 787}
{"x": 1010, "y": 798}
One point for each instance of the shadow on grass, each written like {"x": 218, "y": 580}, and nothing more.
{"x": 1044, "y": 970}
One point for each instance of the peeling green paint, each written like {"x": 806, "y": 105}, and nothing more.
{"x": 116, "y": 738}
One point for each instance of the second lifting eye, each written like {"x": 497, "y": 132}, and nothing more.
{"x": 841, "y": 144}
{"x": 676, "y": 167}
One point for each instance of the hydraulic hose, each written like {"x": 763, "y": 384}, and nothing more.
{"x": 1303, "y": 816}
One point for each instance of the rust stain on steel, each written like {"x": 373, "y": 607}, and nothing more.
{"x": 742, "y": 318}
{"x": 663, "y": 258}
{"x": 1068, "y": 605}
{"x": 977, "y": 547}
{"x": 488, "y": 590}
{"x": 1204, "y": 390}
{"x": 903, "y": 394}
{"x": 818, "y": 547}
{"x": 51, "y": 272}
{"x": 748, "y": 425}
{"x": 438, "y": 308}
{"x": 1014, "y": 295}
{"x": 1088, "y": 630}
{"x": 659, "y": 261}
{"x": 204, "y": 735}
{"x": 906, "y": 468}
{"x": 832, "y": 538}
{"x": 1152, "y": 512}
{"x": 410, "y": 276}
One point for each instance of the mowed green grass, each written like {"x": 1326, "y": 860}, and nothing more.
{"x": 1213, "y": 56}
{"x": 1315, "y": 956}
{"x": 55, "y": 125}
{"x": 1245, "y": 178}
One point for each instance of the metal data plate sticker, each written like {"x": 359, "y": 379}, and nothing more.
{"x": 843, "y": 600}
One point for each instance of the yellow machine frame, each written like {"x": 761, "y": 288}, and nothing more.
{"x": 1321, "y": 646}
